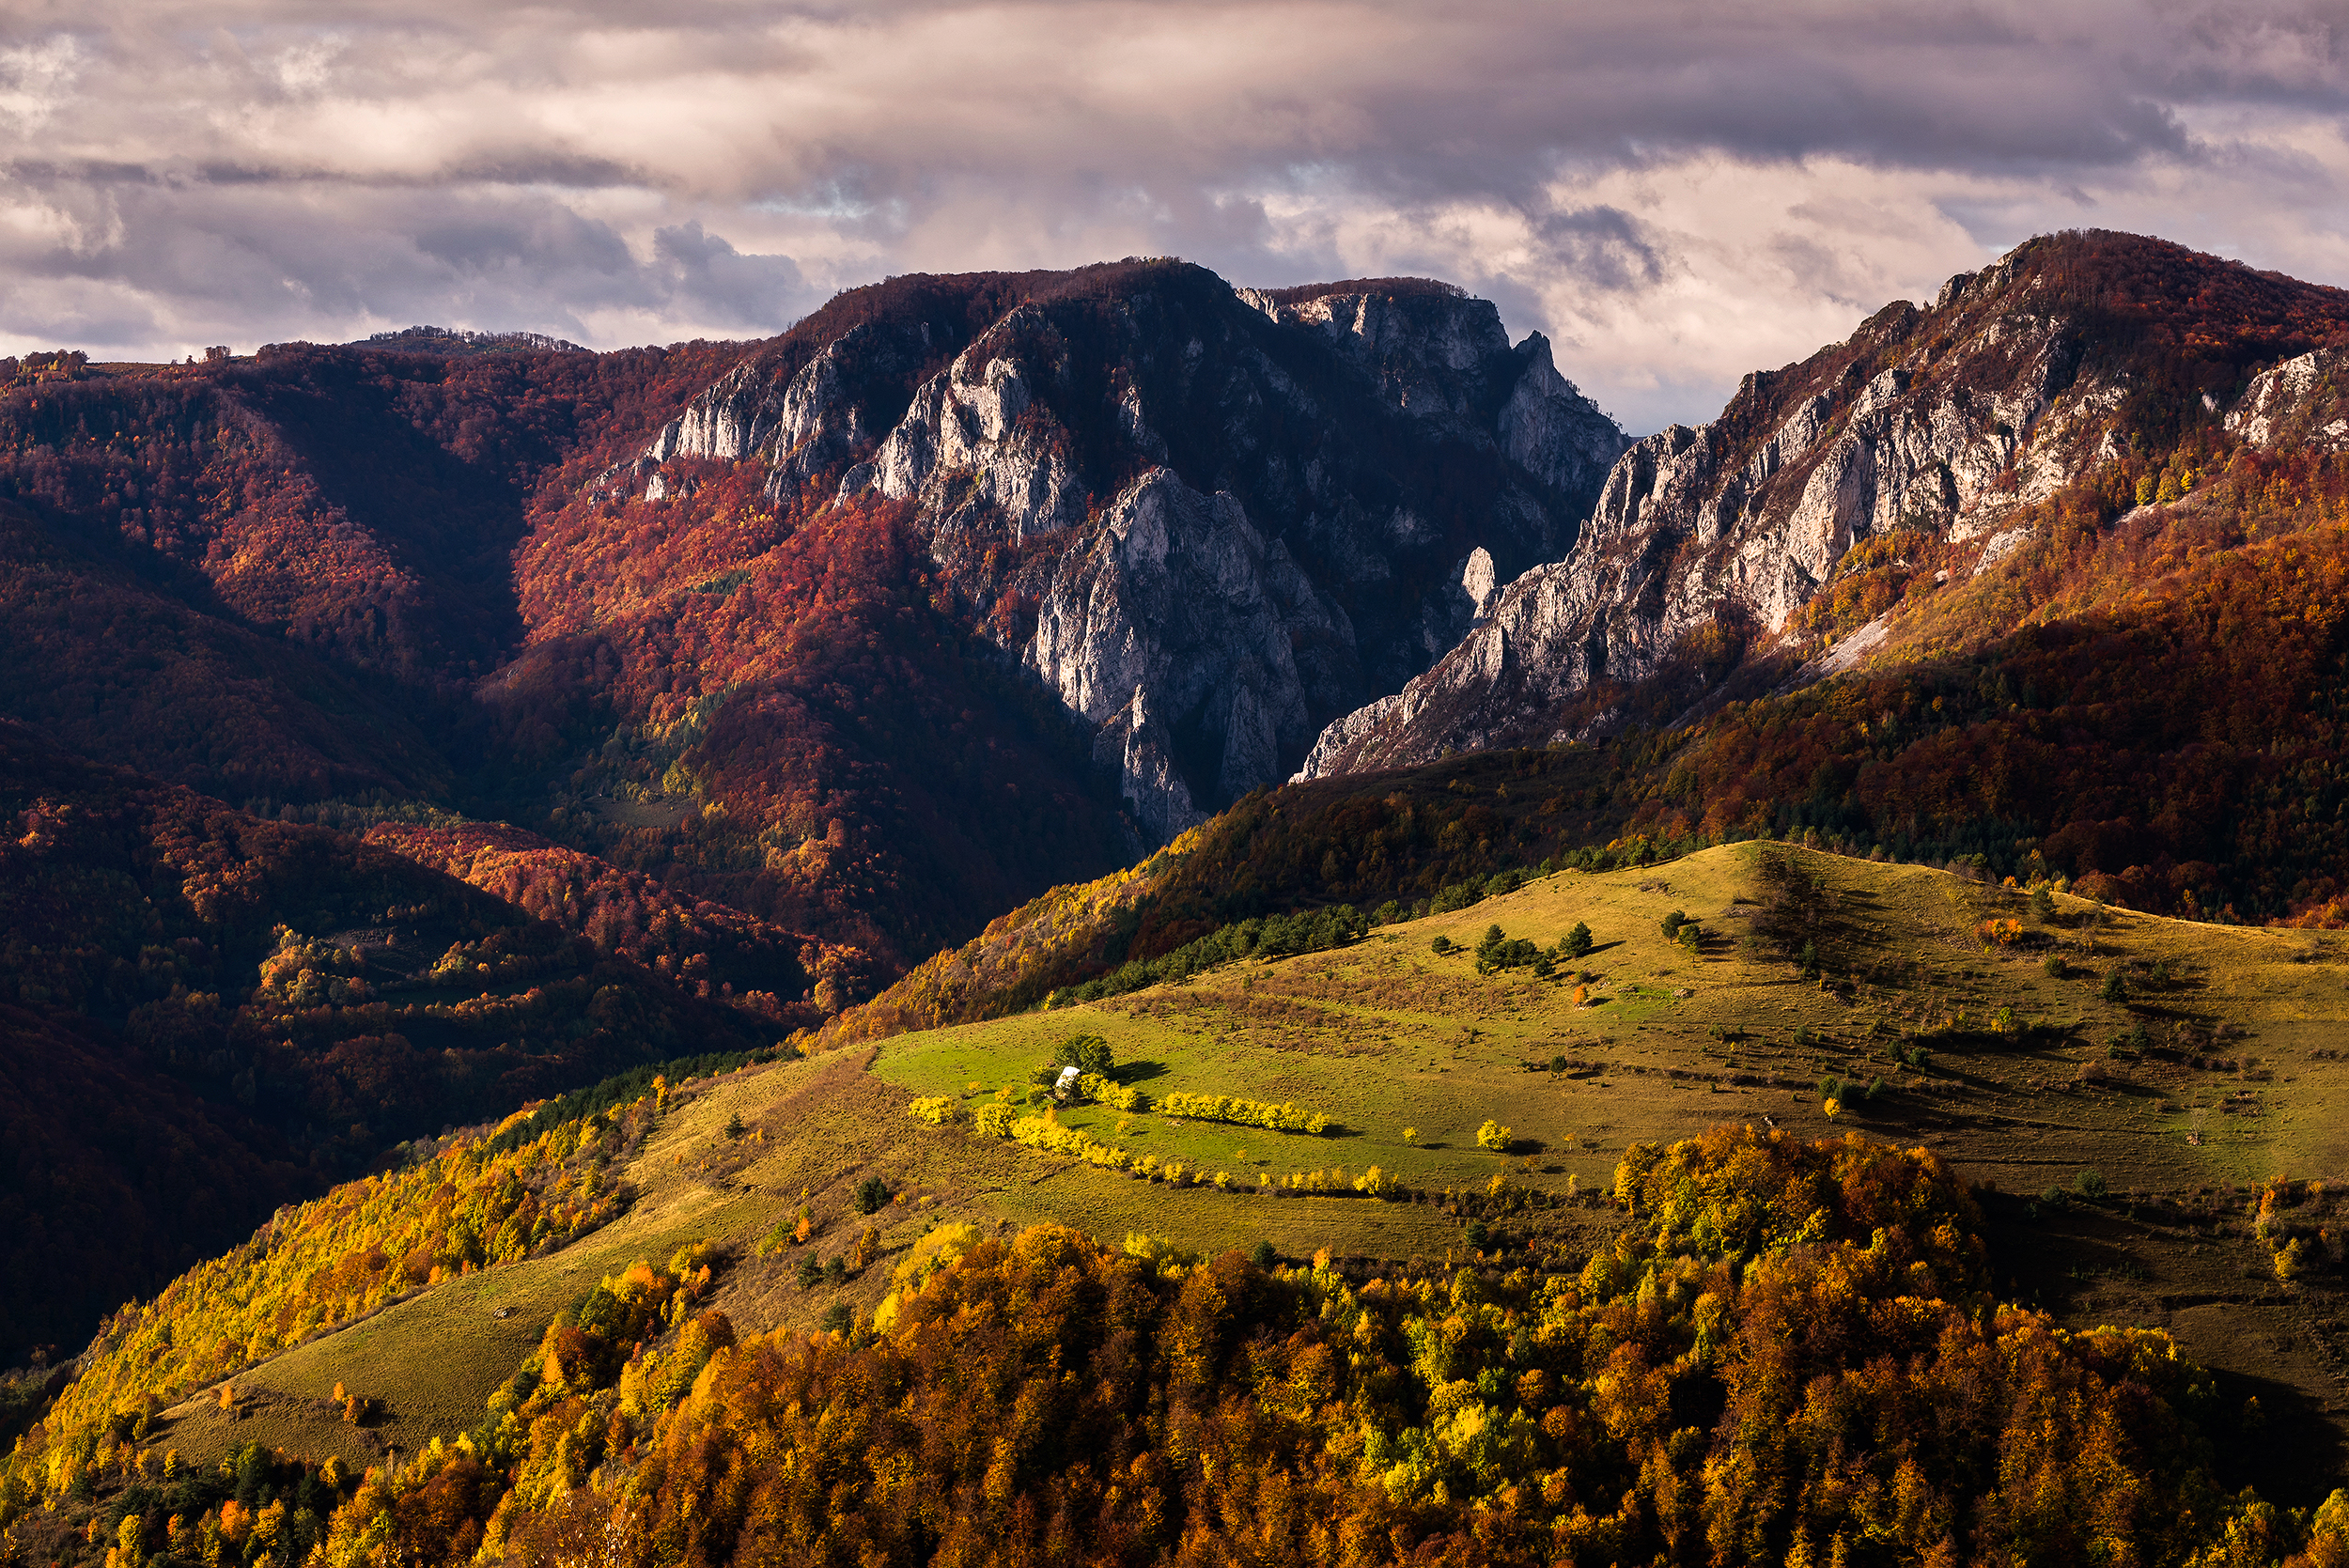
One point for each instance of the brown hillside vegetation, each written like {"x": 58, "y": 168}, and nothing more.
{"x": 209, "y": 1012}
{"x": 132, "y": 667}
{"x": 765, "y": 709}
{"x": 300, "y": 561}
{"x": 712, "y": 951}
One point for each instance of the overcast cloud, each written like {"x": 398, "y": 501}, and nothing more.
{"x": 1675, "y": 192}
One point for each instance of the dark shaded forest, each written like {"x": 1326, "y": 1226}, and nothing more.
{"x": 203, "y": 1014}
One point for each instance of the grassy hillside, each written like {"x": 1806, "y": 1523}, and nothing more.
{"x": 1408, "y": 840}
{"x": 2149, "y": 1155}
{"x": 1665, "y": 1037}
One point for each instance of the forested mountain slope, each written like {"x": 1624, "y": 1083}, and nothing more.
{"x": 203, "y": 1014}
{"x": 962, "y": 585}
{"x": 2049, "y": 574}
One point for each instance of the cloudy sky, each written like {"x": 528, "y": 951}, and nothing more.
{"x": 1675, "y": 193}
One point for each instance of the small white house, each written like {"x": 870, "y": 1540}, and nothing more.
{"x": 1067, "y": 1087}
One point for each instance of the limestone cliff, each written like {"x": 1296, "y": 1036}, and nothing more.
{"x": 1942, "y": 420}
{"x": 2301, "y": 402}
{"x": 1210, "y": 520}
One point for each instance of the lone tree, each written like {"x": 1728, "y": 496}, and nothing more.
{"x": 1578, "y": 943}
{"x": 2116, "y": 990}
{"x": 1087, "y": 1053}
{"x": 872, "y": 1195}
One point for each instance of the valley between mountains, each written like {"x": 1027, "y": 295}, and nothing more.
{"x": 1771, "y": 992}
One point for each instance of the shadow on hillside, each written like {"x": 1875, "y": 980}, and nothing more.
{"x": 2092, "y": 1263}
{"x": 2285, "y": 1446}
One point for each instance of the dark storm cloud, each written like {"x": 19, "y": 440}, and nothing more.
{"x": 1604, "y": 245}
{"x": 1673, "y": 191}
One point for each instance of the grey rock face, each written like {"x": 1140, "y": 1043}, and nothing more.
{"x": 2302, "y": 402}
{"x": 1942, "y": 422}
{"x": 964, "y": 453}
{"x": 1427, "y": 356}
{"x": 1209, "y": 521}
{"x": 1176, "y": 604}
{"x": 810, "y": 421}
{"x": 1551, "y": 430}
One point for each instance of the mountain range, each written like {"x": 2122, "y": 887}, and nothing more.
{"x": 983, "y": 636}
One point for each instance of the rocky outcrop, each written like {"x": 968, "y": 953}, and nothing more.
{"x": 1210, "y": 520}
{"x": 1941, "y": 421}
{"x": 964, "y": 454}
{"x": 1175, "y": 605}
{"x": 2302, "y": 402}
{"x": 839, "y": 402}
{"x": 1551, "y": 430}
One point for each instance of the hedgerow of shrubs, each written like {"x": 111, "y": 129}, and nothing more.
{"x": 1048, "y": 1134}
{"x": 1286, "y": 1117}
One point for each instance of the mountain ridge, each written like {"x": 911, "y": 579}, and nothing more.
{"x": 2059, "y": 360}
{"x": 1013, "y": 439}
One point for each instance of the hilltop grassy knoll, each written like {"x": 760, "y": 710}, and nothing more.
{"x": 2027, "y": 1074}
